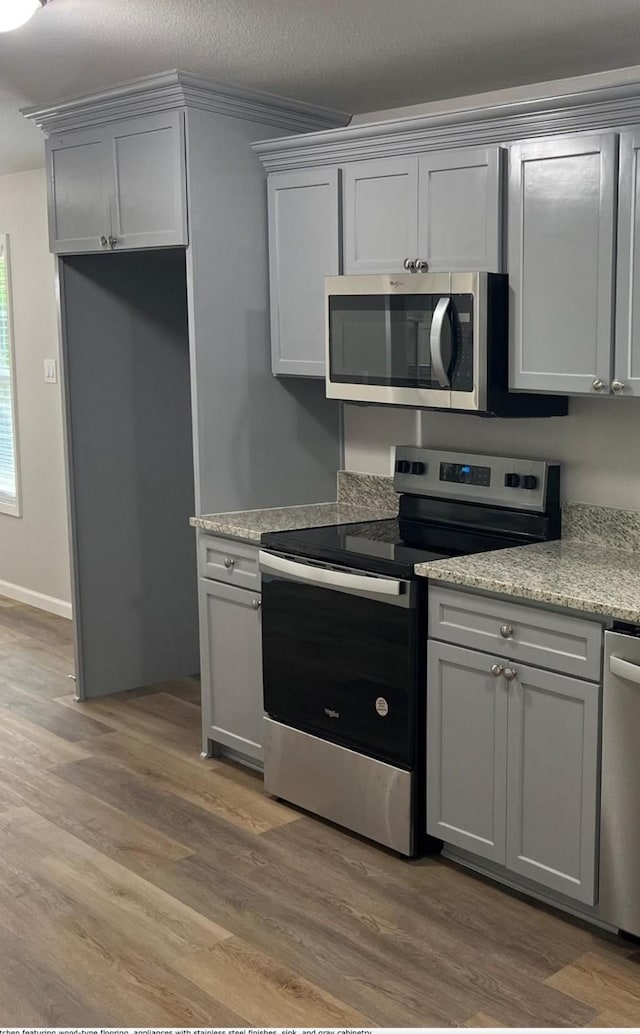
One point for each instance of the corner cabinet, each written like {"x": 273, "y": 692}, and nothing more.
{"x": 513, "y": 749}
{"x": 119, "y": 186}
{"x": 304, "y": 247}
{"x": 442, "y": 209}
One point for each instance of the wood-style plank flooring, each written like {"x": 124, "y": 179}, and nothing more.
{"x": 142, "y": 886}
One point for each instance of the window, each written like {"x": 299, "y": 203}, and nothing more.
{"x": 9, "y": 489}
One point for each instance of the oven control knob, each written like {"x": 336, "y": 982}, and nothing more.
{"x": 418, "y": 468}
{"x": 512, "y": 480}
{"x": 529, "y": 481}
{"x": 403, "y": 467}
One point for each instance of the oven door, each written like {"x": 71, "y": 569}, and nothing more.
{"x": 340, "y": 655}
{"x": 401, "y": 340}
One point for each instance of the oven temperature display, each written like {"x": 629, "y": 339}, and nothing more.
{"x": 465, "y": 474}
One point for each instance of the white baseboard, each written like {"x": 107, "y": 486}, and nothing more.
{"x": 36, "y": 599}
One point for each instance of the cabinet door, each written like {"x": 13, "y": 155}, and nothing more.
{"x": 627, "y": 353}
{"x": 79, "y": 213}
{"x": 149, "y": 195}
{"x": 460, "y": 209}
{"x": 380, "y": 214}
{"x": 231, "y": 667}
{"x": 466, "y": 750}
{"x": 304, "y": 247}
{"x": 562, "y": 195}
{"x": 552, "y": 781}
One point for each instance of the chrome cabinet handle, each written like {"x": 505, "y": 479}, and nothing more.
{"x": 598, "y": 385}
{"x": 229, "y": 562}
{"x": 112, "y": 242}
{"x": 618, "y": 386}
{"x": 420, "y": 265}
{"x": 497, "y": 670}
{"x": 506, "y": 631}
{"x": 410, "y": 265}
{"x": 104, "y": 241}
{"x": 256, "y": 604}
{"x": 510, "y": 674}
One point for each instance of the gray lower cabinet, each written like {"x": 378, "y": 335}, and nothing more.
{"x": 466, "y": 751}
{"x": 513, "y": 766}
{"x": 118, "y": 186}
{"x": 552, "y": 781}
{"x": 304, "y": 247}
{"x": 231, "y": 667}
{"x": 562, "y": 205}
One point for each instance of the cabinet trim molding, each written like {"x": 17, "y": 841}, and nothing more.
{"x": 606, "y": 108}
{"x": 176, "y": 89}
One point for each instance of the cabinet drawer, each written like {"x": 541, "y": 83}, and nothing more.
{"x": 224, "y": 560}
{"x": 561, "y": 643}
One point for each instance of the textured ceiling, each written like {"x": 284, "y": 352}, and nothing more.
{"x": 356, "y": 55}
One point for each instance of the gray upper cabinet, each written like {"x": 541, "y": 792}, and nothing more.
{"x": 460, "y": 207}
{"x": 466, "y": 751}
{"x": 121, "y": 185}
{"x": 79, "y": 213}
{"x": 562, "y": 197}
{"x": 627, "y": 350}
{"x": 231, "y": 666}
{"x": 304, "y": 247}
{"x": 380, "y": 214}
{"x": 441, "y": 208}
{"x": 552, "y": 781}
{"x": 149, "y": 198}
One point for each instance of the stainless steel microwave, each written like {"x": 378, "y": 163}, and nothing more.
{"x": 424, "y": 340}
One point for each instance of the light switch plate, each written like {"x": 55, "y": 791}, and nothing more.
{"x": 51, "y": 371}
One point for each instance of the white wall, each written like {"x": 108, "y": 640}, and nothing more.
{"x": 552, "y": 88}
{"x": 34, "y": 552}
{"x": 598, "y": 444}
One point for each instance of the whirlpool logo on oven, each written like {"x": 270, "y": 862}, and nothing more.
{"x": 330, "y": 713}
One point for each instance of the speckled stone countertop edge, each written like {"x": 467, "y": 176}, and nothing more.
{"x": 249, "y": 525}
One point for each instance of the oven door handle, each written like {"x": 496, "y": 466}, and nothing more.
{"x": 438, "y": 362}
{"x": 271, "y": 563}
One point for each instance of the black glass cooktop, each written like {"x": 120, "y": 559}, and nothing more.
{"x": 382, "y": 547}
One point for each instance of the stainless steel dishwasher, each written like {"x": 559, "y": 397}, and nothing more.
{"x": 620, "y": 814}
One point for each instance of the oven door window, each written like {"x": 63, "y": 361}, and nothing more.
{"x": 340, "y": 666}
{"x": 405, "y": 341}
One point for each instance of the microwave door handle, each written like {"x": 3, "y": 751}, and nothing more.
{"x": 437, "y": 330}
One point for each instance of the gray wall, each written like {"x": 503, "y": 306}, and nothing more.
{"x": 34, "y": 553}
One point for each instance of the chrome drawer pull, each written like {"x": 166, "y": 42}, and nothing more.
{"x": 506, "y": 631}
{"x": 497, "y": 670}
{"x": 229, "y": 562}
{"x": 510, "y": 674}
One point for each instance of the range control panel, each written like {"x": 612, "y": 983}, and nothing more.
{"x": 492, "y": 480}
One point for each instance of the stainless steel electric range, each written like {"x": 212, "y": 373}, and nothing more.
{"x": 344, "y": 627}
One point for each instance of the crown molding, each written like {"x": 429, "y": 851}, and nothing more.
{"x": 176, "y": 89}
{"x": 589, "y": 110}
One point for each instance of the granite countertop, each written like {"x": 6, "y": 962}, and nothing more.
{"x": 581, "y": 575}
{"x": 249, "y": 525}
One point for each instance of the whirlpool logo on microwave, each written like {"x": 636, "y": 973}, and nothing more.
{"x": 330, "y": 713}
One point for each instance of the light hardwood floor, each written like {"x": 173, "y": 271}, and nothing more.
{"x": 142, "y": 886}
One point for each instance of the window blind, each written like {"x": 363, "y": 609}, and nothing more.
{"x": 8, "y": 474}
